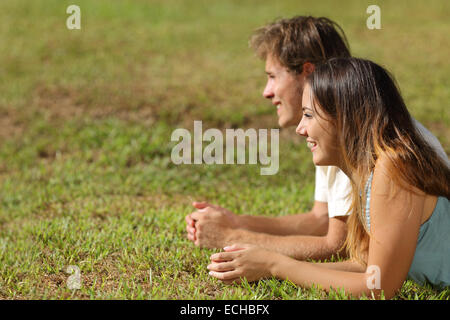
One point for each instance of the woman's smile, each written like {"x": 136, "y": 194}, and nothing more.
{"x": 311, "y": 145}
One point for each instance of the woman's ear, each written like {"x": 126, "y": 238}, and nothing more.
{"x": 308, "y": 68}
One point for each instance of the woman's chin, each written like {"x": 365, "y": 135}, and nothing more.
{"x": 320, "y": 161}
{"x": 325, "y": 163}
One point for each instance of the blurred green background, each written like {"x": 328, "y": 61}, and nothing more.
{"x": 86, "y": 118}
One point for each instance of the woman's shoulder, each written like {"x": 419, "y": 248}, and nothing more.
{"x": 388, "y": 178}
{"x": 393, "y": 200}
{"x": 390, "y": 185}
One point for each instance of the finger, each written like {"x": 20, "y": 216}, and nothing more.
{"x": 200, "y": 205}
{"x": 221, "y": 267}
{"x": 196, "y": 215}
{"x": 225, "y": 276}
{"x": 190, "y": 235}
{"x": 189, "y": 221}
{"x": 235, "y": 247}
{"x": 222, "y": 257}
{"x": 190, "y": 231}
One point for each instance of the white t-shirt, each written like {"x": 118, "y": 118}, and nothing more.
{"x": 333, "y": 186}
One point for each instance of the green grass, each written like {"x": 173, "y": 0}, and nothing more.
{"x": 86, "y": 119}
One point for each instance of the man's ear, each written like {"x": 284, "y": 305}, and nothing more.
{"x": 308, "y": 68}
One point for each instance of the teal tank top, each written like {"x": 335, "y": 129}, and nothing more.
{"x": 431, "y": 263}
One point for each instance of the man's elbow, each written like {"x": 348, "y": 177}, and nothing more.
{"x": 321, "y": 223}
{"x": 336, "y": 235}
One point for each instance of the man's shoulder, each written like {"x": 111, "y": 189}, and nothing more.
{"x": 431, "y": 139}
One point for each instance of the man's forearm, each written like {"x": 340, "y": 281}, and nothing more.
{"x": 299, "y": 224}
{"x": 298, "y": 247}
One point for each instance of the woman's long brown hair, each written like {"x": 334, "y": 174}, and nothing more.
{"x": 372, "y": 121}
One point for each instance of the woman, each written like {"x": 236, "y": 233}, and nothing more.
{"x": 355, "y": 118}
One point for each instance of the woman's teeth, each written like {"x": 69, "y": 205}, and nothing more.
{"x": 310, "y": 145}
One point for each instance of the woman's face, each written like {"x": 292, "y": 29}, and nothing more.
{"x": 320, "y": 132}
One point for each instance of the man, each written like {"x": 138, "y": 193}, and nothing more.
{"x": 290, "y": 48}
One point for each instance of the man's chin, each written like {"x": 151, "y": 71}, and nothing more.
{"x": 281, "y": 124}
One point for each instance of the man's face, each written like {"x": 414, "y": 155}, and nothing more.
{"x": 284, "y": 89}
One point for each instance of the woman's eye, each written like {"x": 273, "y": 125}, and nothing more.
{"x": 307, "y": 115}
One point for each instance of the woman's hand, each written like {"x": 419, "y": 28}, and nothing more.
{"x": 242, "y": 261}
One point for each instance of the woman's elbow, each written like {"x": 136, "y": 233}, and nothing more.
{"x": 379, "y": 287}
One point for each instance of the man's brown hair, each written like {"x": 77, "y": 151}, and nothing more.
{"x": 300, "y": 39}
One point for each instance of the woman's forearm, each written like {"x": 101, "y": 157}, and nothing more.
{"x": 347, "y": 265}
{"x": 307, "y": 274}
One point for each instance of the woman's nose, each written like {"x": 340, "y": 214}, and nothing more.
{"x": 301, "y": 129}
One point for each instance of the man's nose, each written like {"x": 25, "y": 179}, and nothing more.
{"x": 268, "y": 92}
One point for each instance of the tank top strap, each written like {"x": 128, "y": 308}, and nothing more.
{"x": 368, "y": 189}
